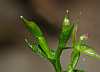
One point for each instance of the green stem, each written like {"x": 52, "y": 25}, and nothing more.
{"x": 57, "y": 63}
{"x": 74, "y": 60}
{"x": 57, "y": 66}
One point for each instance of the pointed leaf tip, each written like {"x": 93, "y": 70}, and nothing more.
{"x": 89, "y": 51}
{"x": 24, "y": 19}
{"x": 92, "y": 53}
{"x": 66, "y": 32}
{"x": 21, "y": 17}
{"x": 67, "y": 11}
{"x": 32, "y": 27}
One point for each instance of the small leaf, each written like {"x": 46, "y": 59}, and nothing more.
{"x": 43, "y": 44}
{"x": 84, "y": 48}
{"x": 36, "y": 49}
{"x": 89, "y": 51}
{"x": 32, "y": 27}
{"x": 35, "y": 30}
{"x": 66, "y": 32}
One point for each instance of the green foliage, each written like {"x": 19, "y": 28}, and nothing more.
{"x": 68, "y": 30}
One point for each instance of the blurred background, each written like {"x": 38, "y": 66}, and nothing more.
{"x": 15, "y": 57}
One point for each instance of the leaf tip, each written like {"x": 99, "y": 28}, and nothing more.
{"x": 67, "y": 11}
{"x": 21, "y": 17}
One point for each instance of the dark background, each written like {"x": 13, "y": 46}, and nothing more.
{"x": 15, "y": 57}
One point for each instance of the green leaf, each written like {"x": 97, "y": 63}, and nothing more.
{"x": 35, "y": 30}
{"x": 84, "y": 48}
{"x": 66, "y": 32}
{"x": 36, "y": 49}
{"x": 43, "y": 44}
{"x": 32, "y": 27}
{"x": 89, "y": 51}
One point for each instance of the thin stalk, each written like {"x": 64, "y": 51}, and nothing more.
{"x": 75, "y": 54}
{"x": 74, "y": 61}
{"x": 56, "y": 64}
{"x": 57, "y": 61}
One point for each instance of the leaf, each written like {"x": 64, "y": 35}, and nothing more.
{"x": 66, "y": 32}
{"x": 35, "y": 30}
{"x": 36, "y": 49}
{"x": 32, "y": 27}
{"x": 84, "y": 48}
{"x": 43, "y": 44}
{"x": 89, "y": 51}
